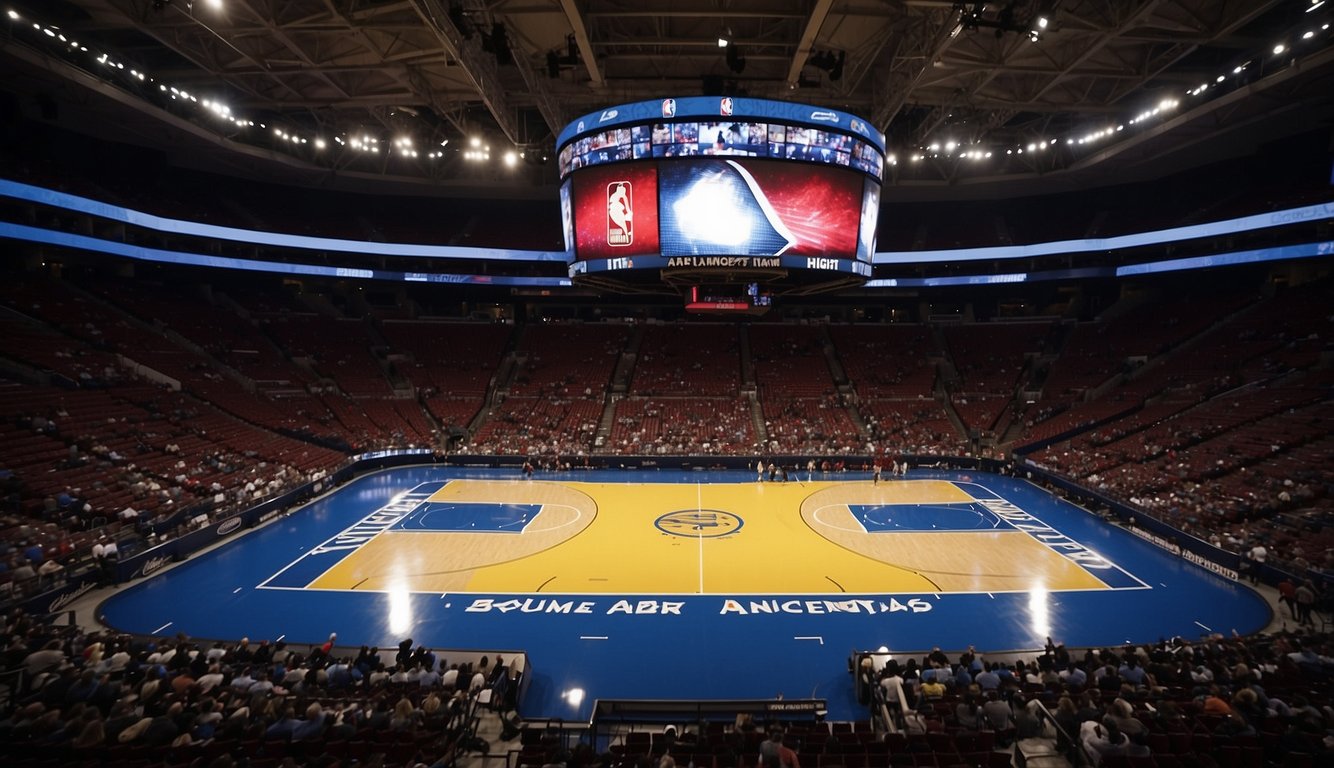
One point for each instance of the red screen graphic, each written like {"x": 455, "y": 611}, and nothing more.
{"x": 616, "y": 211}
{"x": 820, "y": 206}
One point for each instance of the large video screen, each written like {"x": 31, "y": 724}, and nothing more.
{"x": 616, "y": 211}
{"x": 723, "y": 206}
{"x": 870, "y": 221}
{"x": 712, "y": 207}
{"x": 567, "y": 218}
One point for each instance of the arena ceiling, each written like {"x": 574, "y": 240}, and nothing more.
{"x": 927, "y": 72}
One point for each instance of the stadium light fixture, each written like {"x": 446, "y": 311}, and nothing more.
{"x": 1280, "y": 48}
{"x": 13, "y": 14}
{"x": 1038, "y": 29}
{"x": 722, "y": 42}
{"x": 1314, "y": 5}
{"x": 320, "y": 143}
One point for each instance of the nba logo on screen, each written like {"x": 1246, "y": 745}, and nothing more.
{"x": 620, "y": 213}
{"x": 725, "y": 106}
{"x": 669, "y": 108}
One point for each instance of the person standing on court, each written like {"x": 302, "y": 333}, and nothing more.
{"x": 1256, "y": 557}
{"x": 106, "y": 558}
{"x": 1305, "y": 596}
{"x": 1287, "y": 595}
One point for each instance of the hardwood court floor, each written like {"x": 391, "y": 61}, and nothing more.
{"x": 517, "y": 536}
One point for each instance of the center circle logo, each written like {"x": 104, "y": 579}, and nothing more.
{"x": 699, "y": 523}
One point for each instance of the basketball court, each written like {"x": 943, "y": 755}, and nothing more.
{"x": 524, "y": 536}
{"x": 662, "y": 584}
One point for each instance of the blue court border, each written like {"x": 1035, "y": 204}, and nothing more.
{"x": 668, "y": 647}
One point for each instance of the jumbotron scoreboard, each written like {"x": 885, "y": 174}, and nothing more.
{"x": 733, "y": 198}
